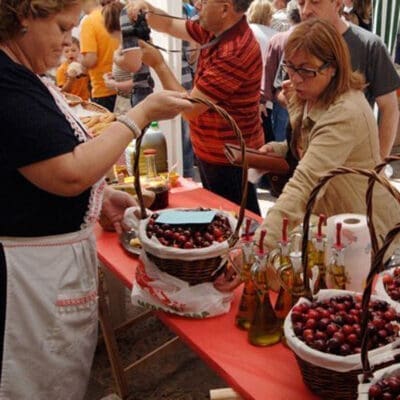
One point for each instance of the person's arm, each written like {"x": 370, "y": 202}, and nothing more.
{"x": 72, "y": 173}
{"x": 388, "y": 121}
{"x": 88, "y": 44}
{"x": 152, "y": 57}
{"x": 68, "y": 84}
{"x": 159, "y": 20}
{"x": 89, "y": 60}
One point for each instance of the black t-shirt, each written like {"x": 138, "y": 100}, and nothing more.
{"x": 32, "y": 129}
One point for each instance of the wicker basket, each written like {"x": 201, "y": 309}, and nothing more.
{"x": 204, "y": 263}
{"x": 368, "y": 377}
{"x": 325, "y": 379}
{"x": 72, "y": 99}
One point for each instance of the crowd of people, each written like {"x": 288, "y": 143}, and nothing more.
{"x": 300, "y": 78}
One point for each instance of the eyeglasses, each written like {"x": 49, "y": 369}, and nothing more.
{"x": 305, "y": 73}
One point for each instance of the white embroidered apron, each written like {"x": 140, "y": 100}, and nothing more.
{"x": 51, "y": 309}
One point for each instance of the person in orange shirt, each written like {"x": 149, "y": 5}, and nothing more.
{"x": 97, "y": 49}
{"x": 71, "y": 77}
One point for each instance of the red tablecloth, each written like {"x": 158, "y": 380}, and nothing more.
{"x": 269, "y": 373}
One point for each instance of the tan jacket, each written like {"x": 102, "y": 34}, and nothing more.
{"x": 344, "y": 134}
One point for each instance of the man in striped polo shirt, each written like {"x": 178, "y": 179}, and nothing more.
{"x": 228, "y": 73}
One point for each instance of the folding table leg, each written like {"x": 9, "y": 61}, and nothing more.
{"x": 110, "y": 342}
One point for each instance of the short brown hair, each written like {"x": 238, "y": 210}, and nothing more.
{"x": 241, "y": 5}
{"x": 111, "y": 13}
{"x": 12, "y": 11}
{"x": 320, "y": 39}
{"x": 260, "y": 12}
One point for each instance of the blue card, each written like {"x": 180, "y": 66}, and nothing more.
{"x": 181, "y": 217}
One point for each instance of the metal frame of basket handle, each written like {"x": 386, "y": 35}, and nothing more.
{"x": 224, "y": 114}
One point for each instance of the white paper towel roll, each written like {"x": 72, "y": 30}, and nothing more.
{"x": 357, "y": 257}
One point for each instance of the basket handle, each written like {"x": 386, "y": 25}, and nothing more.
{"x": 371, "y": 183}
{"x": 373, "y": 177}
{"x": 375, "y": 268}
{"x": 225, "y": 115}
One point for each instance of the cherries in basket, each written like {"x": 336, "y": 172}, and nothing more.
{"x": 385, "y": 389}
{"x": 190, "y": 236}
{"x": 392, "y": 284}
{"x": 334, "y": 325}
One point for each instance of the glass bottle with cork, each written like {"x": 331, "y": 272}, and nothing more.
{"x": 336, "y": 268}
{"x": 265, "y": 328}
{"x": 247, "y": 303}
{"x": 280, "y": 255}
{"x": 319, "y": 242}
{"x": 155, "y": 182}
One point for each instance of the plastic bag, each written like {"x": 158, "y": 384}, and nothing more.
{"x": 158, "y": 290}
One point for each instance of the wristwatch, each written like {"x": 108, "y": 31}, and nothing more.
{"x": 131, "y": 124}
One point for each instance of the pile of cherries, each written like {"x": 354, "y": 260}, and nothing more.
{"x": 392, "y": 284}
{"x": 190, "y": 236}
{"x": 334, "y": 325}
{"x": 385, "y": 389}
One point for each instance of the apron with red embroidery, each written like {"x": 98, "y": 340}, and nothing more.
{"x": 51, "y": 305}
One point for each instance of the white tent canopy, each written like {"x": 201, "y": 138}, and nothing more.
{"x": 386, "y": 16}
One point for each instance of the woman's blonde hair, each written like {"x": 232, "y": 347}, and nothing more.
{"x": 320, "y": 39}
{"x": 12, "y": 11}
{"x": 260, "y": 12}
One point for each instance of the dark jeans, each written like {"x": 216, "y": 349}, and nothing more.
{"x": 279, "y": 119}
{"x": 107, "y": 102}
{"x": 267, "y": 126}
{"x": 187, "y": 150}
{"x": 226, "y": 181}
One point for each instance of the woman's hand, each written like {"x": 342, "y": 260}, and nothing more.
{"x": 134, "y": 6}
{"x": 227, "y": 281}
{"x": 109, "y": 81}
{"x": 114, "y": 204}
{"x": 285, "y": 93}
{"x": 150, "y": 55}
{"x": 165, "y": 104}
{"x": 266, "y": 148}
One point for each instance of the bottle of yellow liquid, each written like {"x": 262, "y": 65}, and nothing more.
{"x": 336, "y": 268}
{"x": 247, "y": 303}
{"x": 284, "y": 301}
{"x": 265, "y": 328}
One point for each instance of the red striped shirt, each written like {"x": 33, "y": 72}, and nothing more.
{"x": 229, "y": 73}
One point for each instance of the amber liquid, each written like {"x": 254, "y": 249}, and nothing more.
{"x": 162, "y": 197}
{"x": 284, "y": 302}
{"x": 320, "y": 282}
{"x": 266, "y": 328}
{"x": 247, "y": 306}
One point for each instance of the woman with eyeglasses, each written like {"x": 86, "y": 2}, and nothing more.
{"x": 333, "y": 126}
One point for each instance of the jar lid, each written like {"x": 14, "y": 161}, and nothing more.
{"x": 149, "y": 152}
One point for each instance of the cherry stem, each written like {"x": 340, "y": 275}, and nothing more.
{"x": 247, "y": 229}
{"x": 322, "y": 219}
{"x": 261, "y": 242}
{"x": 285, "y": 224}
